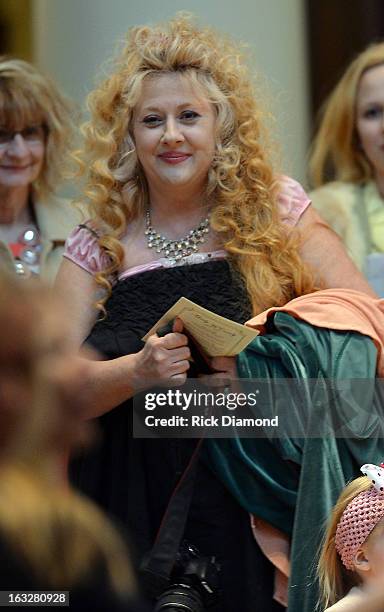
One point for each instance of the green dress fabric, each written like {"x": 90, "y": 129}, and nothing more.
{"x": 293, "y": 483}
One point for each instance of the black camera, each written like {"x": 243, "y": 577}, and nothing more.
{"x": 194, "y": 583}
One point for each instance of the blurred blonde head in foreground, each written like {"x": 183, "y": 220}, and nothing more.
{"x": 63, "y": 539}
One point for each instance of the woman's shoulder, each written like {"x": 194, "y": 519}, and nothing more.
{"x": 82, "y": 247}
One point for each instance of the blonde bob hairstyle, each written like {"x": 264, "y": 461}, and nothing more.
{"x": 241, "y": 185}
{"x": 336, "y": 153}
{"x": 334, "y": 579}
{"x": 29, "y": 98}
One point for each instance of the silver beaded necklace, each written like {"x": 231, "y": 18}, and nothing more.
{"x": 175, "y": 250}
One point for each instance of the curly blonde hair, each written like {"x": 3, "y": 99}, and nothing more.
{"x": 336, "y": 153}
{"x": 27, "y": 97}
{"x": 241, "y": 183}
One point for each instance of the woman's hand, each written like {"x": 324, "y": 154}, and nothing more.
{"x": 162, "y": 360}
{"x": 225, "y": 367}
{"x": 224, "y": 374}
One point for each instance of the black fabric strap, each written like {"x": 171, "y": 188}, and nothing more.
{"x": 157, "y": 567}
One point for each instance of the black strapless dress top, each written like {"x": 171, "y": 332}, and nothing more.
{"x": 133, "y": 479}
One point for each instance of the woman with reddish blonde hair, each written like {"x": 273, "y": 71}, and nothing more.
{"x": 184, "y": 201}
{"x": 347, "y": 163}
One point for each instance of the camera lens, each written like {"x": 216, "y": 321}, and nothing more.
{"x": 180, "y": 597}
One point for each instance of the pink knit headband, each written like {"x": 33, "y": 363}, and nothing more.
{"x": 360, "y": 516}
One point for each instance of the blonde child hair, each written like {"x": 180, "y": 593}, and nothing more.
{"x": 358, "y": 510}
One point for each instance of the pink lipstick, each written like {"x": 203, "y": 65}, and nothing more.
{"x": 174, "y": 157}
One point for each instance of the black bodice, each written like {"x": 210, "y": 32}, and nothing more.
{"x": 139, "y": 301}
{"x": 132, "y": 479}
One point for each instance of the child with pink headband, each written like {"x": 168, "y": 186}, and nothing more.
{"x": 352, "y": 558}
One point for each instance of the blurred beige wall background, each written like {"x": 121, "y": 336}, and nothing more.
{"x": 73, "y": 38}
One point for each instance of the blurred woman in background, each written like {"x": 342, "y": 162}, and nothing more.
{"x": 348, "y": 151}
{"x": 35, "y": 131}
{"x": 50, "y": 537}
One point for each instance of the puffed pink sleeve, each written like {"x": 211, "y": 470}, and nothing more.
{"x": 292, "y": 200}
{"x": 83, "y": 249}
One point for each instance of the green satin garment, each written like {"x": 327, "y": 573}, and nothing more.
{"x": 293, "y": 483}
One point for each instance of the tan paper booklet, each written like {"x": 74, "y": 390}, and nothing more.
{"x": 216, "y": 335}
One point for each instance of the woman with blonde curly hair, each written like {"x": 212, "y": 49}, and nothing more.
{"x": 35, "y": 131}
{"x": 183, "y": 202}
{"x": 347, "y": 163}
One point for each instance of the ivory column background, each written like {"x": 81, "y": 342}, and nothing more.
{"x": 73, "y": 38}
